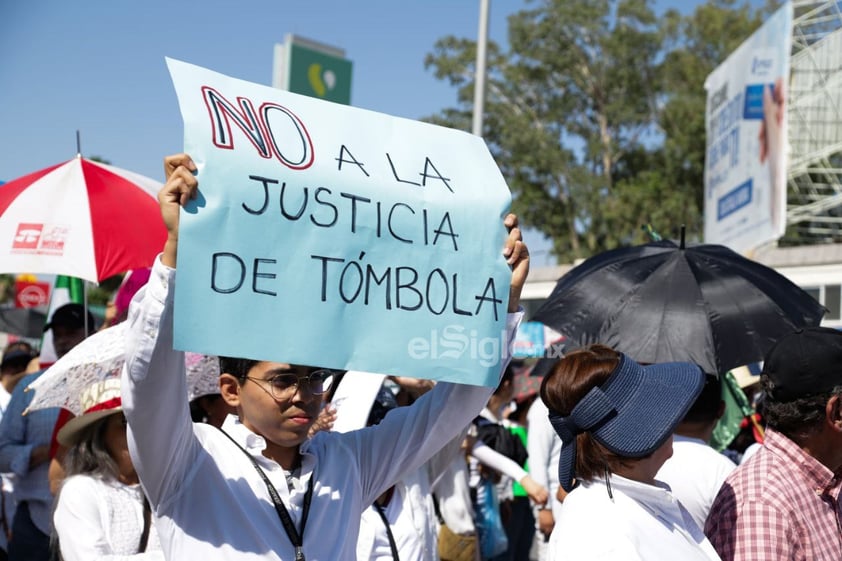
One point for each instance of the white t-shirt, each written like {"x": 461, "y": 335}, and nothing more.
{"x": 695, "y": 473}
{"x": 640, "y": 523}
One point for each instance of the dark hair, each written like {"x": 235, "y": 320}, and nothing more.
{"x": 508, "y": 376}
{"x": 19, "y": 346}
{"x": 518, "y": 414}
{"x": 383, "y": 403}
{"x": 797, "y": 418}
{"x": 569, "y": 381}
{"x": 237, "y": 367}
{"x": 17, "y": 363}
{"x": 198, "y": 413}
{"x": 706, "y": 406}
{"x": 90, "y": 454}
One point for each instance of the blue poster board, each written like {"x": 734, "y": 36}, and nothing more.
{"x": 337, "y": 237}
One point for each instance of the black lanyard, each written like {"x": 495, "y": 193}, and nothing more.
{"x": 392, "y": 545}
{"x": 294, "y": 536}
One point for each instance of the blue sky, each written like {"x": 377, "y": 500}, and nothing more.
{"x": 98, "y": 66}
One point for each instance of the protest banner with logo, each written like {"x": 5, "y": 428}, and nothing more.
{"x": 746, "y": 160}
{"x": 337, "y": 237}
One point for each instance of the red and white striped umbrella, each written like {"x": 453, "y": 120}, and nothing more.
{"x": 80, "y": 218}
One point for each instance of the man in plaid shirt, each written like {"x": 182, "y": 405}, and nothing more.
{"x": 783, "y": 504}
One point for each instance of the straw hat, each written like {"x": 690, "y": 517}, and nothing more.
{"x": 744, "y": 376}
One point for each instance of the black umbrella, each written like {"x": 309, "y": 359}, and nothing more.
{"x": 25, "y": 322}
{"x": 663, "y": 302}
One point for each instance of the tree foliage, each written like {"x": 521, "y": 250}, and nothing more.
{"x": 595, "y": 115}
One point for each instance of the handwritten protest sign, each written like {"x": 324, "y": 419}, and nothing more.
{"x": 337, "y": 237}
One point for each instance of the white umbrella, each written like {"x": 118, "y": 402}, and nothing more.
{"x": 101, "y": 357}
{"x": 202, "y": 375}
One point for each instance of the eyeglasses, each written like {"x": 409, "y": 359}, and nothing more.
{"x": 282, "y": 386}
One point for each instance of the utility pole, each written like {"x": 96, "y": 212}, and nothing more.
{"x": 479, "y": 82}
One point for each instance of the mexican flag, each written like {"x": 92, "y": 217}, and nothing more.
{"x": 737, "y": 408}
{"x": 65, "y": 291}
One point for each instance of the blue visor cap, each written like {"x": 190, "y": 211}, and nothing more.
{"x": 632, "y": 414}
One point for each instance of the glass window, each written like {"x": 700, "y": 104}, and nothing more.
{"x": 832, "y": 301}
{"x": 815, "y": 292}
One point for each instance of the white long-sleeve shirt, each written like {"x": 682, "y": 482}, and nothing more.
{"x": 209, "y": 502}
{"x": 454, "y": 497}
{"x": 640, "y": 523}
{"x": 412, "y": 520}
{"x": 544, "y": 448}
{"x": 410, "y": 512}
{"x": 98, "y": 520}
{"x": 493, "y": 459}
{"x": 483, "y": 454}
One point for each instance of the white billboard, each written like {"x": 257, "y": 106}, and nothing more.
{"x": 746, "y": 160}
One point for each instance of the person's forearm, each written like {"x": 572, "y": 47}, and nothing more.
{"x": 497, "y": 461}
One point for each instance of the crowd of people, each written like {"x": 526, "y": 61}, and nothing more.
{"x": 226, "y": 458}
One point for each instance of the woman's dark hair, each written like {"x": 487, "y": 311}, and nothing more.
{"x": 198, "y": 413}
{"x": 569, "y": 381}
{"x": 798, "y": 418}
{"x": 90, "y": 455}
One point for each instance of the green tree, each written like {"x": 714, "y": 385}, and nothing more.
{"x": 7, "y": 289}
{"x": 596, "y": 114}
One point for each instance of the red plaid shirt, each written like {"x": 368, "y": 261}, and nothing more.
{"x": 782, "y": 504}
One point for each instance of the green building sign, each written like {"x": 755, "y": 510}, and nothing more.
{"x": 306, "y": 67}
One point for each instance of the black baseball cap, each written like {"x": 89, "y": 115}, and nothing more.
{"x": 71, "y": 316}
{"x": 804, "y": 363}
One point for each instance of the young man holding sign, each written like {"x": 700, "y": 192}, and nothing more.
{"x": 261, "y": 489}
